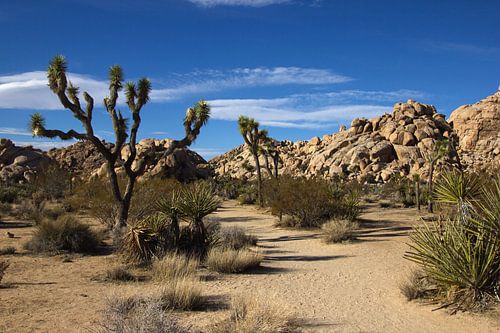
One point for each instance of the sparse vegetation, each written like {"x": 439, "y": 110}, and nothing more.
{"x": 416, "y": 286}
{"x": 181, "y": 294}
{"x": 7, "y": 250}
{"x": 119, "y": 273}
{"x": 174, "y": 266}
{"x": 131, "y": 315}
{"x": 235, "y": 238}
{"x": 249, "y": 314}
{"x": 64, "y": 234}
{"x": 336, "y": 231}
{"x": 3, "y": 267}
{"x": 232, "y": 261}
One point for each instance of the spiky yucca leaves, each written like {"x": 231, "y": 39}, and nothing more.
{"x": 197, "y": 201}
{"x": 146, "y": 239}
{"x": 462, "y": 256}
{"x": 56, "y": 72}
{"x": 169, "y": 206}
{"x": 37, "y": 123}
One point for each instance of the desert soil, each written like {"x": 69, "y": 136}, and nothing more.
{"x": 332, "y": 288}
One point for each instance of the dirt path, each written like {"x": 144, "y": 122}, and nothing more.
{"x": 346, "y": 287}
{"x": 334, "y": 288}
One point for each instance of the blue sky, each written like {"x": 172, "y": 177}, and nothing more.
{"x": 300, "y": 67}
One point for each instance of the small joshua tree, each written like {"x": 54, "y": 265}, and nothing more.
{"x": 270, "y": 150}
{"x": 441, "y": 149}
{"x": 253, "y": 137}
{"x": 137, "y": 95}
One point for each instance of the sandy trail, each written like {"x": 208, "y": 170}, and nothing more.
{"x": 333, "y": 288}
{"x": 345, "y": 287}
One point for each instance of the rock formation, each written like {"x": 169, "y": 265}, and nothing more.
{"x": 371, "y": 149}
{"x": 478, "y": 128}
{"x": 83, "y": 160}
{"x": 20, "y": 163}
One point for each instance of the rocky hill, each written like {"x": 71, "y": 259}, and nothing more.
{"x": 478, "y": 127}
{"x": 83, "y": 160}
{"x": 371, "y": 149}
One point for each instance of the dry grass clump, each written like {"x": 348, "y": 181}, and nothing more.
{"x": 336, "y": 231}
{"x": 174, "y": 266}
{"x": 235, "y": 238}
{"x": 416, "y": 286}
{"x": 119, "y": 274}
{"x": 64, "y": 234}
{"x": 7, "y": 250}
{"x": 131, "y": 315}
{"x": 3, "y": 267}
{"x": 232, "y": 261}
{"x": 181, "y": 294}
{"x": 249, "y": 314}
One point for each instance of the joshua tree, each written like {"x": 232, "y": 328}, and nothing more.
{"x": 137, "y": 95}
{"x": 440, "y": 150}
{"x": 269, "y": 149}
{"x": 416, "y": 179}
{"x": 253, "y": 137}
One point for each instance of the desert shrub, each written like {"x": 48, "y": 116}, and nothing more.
{"x": 310, "y": 202}
{"x": 119, "y": 274}
{"x": 336, "y": 231}
{"x": 235, "y": 238}
{"x": 96, "y": 197}
{"x": 31, "y": 210}
{"x": 8, "y": 194}
{"x": 461, "y": 256}
{"x": 131, "y": 315}
{"x": 181, "y": 294}
{"x": 64, "y": 234}
{"x": 249, "y": 314}
{"x": 232, "y": 261}
{"x": 7, "y": 250}
{"x": 3, "y": 267}
{"x": 174, "y": 266}
{"x": 52, "y": 182}
{"x": 416, "y": 286}
{"x": 230, "y": 188}
{"x": 53, "y": 213}
{"x": 247, "y": 198}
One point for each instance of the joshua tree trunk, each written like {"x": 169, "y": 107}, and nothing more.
{"x": 276, "y": 161}
{"x": 259, "y": 180}
{"x": 430, "y": 207}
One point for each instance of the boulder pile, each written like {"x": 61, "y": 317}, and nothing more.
{"x": 20, "y": 163}
{"x": 371, "y": 149}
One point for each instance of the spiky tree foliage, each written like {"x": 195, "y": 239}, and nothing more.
{"x": 441, "y": 149}
{"x": 197, "y": 201}
{"x": 249, "y": 129}
{"x": 137, "y": 95}
{"x": 170, "y": 207}
{"x": 461, "y": 257}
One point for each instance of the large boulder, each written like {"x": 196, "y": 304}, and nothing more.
{"x": 18, "y": 164}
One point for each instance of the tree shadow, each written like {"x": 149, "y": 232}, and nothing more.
{"x": 239, "y": 219}
{"x": 290, "y": 238}
{"x": 380, "y": 229}
{"x": 304, "y": 258}
{"x": 14, "y": 225}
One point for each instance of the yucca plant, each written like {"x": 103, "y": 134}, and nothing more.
{"x": 169, "y": 206}
{"x": 197, "y": 201}
{"x": 461, "y": 256}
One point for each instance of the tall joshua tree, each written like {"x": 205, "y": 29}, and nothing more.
{"x": 137, "y": 95}
{"x": 249, "y": 129}
{"x": 441, "y": 149}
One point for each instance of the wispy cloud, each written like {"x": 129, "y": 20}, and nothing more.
{"x": 311, "y": 111}
{"x": 159, "y": 133}
{"x": 29, "y": 90}
{"x": 14, "y": 131}
{"x": 247, "y": 3}
{"x": 44, "y": 145}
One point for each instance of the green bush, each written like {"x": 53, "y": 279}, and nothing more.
{"x": 64, "y": 234}
{"x": 8, "y": 194}
{"x": 461, "y": 256}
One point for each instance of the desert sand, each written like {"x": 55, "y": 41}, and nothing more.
{"x": 331, "y": 288}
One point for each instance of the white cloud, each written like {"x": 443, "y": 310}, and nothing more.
{"x": 159, "y": 133}
{"x": 311, "y": 111}
{"x": 29, "y": 90}
{"x": 248, "y": 77}
{"x": 14, "y": 131}
{"x": 248, "y": 3}
{"x": 44, "y": 145}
